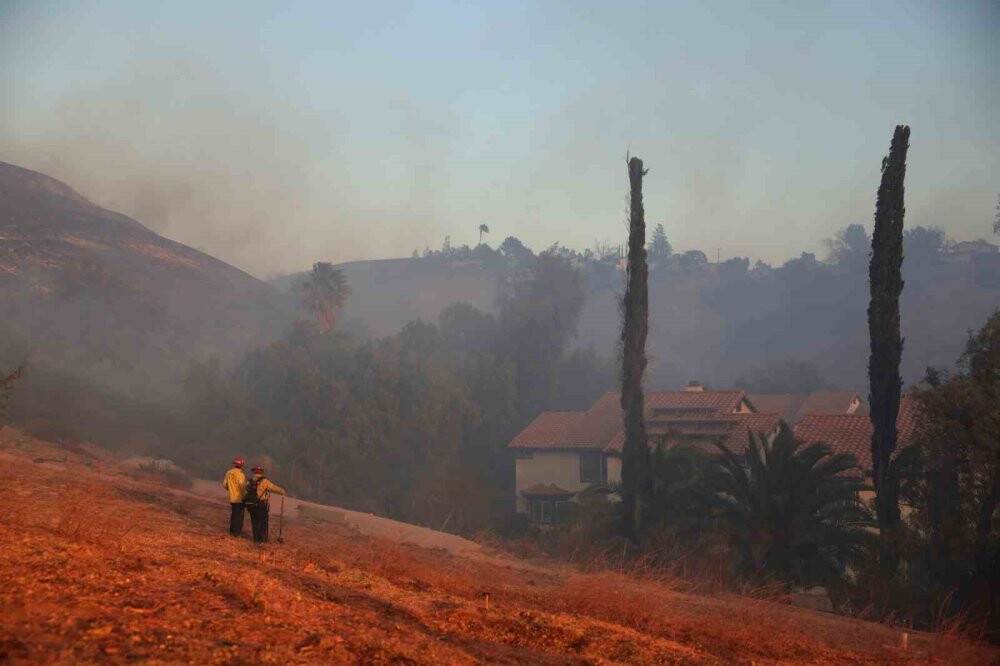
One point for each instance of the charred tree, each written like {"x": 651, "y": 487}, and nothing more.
{"x": 886, "y": 285}
{"x": 635, "y": 455}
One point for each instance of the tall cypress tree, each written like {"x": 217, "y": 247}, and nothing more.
{"x": 886, "y": 285}
{"x": 635, "y": 456}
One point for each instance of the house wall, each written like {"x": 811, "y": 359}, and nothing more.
{"x": 561, "y": 468}
{"x": 614, "y": 469}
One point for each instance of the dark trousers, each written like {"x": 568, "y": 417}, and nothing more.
{"x": 259, "y": 518}
{"x": 236, "y": 518}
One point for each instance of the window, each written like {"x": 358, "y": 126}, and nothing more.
{"x": 541, "y": 511}
{"x": 593, "y": 467}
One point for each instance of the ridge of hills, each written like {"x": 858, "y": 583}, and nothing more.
{"x": 117, "y": 567}
{"x": 97, "y": 293}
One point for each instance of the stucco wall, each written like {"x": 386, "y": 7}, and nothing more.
{"x": 561, "y": 468}
{"x": 614, "y": 469}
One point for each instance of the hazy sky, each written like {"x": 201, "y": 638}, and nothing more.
{"x": 276, "y": 134}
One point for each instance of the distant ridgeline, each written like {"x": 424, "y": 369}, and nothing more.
{"x": 713, "y": 321}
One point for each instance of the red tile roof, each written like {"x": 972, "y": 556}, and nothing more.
{"x": 718, "y": 401}
{"x": 687, "y": 415}
{"x": 739, "y": 440}
{"x": 827, "y": 402}
{"x": 785, "y": 404}
{"x": 852, "y": 433}
{"x": 794, "y": 407}
{"x": 548, "y": 430}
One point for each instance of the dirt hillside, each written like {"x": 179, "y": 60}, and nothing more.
{"x": 102, "y": 565}
{"x": 96, "y": 291}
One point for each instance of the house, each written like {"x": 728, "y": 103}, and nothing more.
{"x": 794, "y": 407}
{"x": 561, "y": 454}
{"x": 852, "y": 433}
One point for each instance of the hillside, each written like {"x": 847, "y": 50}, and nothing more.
{"x": 115, "y": 568}
{"x": 94, "y": 292}
{"x": 94, "y": 289}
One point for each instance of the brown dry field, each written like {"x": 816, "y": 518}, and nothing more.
{"x": 100, "y": 566}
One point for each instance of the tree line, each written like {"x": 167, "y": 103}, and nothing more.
{"x": 413, "y": 426}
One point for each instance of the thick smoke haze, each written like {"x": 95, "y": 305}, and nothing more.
{"x": 273, "y": 139}
{"x": 171, "y": 146}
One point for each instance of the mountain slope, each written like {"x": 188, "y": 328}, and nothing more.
{"x": 115, "y": 568}
{"x": 95, "y": 292}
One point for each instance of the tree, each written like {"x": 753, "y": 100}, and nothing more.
{"x": 923, "y": 246}
{"x": 324, "y": 293}
{"x": 679, "y": 508}
{"x": 849, "y": 247}
{"x": 659, "y": 247}
{"x": 635, "y": 489}
{"x": 886, "y": 285}
{"x": 955, "y": 487}
{"x": 483, "y": 229}
{"x": 692, "y": 260}
{"x": 514, "y": 251}
{"x": 791, "y": 512}
{"x": 539, "y": 313}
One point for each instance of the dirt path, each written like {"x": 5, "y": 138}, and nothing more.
{"x": 304, "y": 513}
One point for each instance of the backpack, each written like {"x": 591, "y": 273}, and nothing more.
{"x": 250, "y": 498}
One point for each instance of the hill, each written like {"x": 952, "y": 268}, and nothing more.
{"x": 92, "y": 290}
{"x": 116, "y": 567}
{"x": 106, "y": 315}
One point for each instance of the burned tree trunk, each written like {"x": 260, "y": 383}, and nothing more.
{"x": 886, "y": 285}
{"x": 635, "y": 456}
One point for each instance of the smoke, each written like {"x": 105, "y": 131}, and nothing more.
{"x": 170, "y": 144}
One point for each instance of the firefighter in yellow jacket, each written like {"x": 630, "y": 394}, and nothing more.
{"x": 259, "y": 490}
{"x": 235, "y": 483}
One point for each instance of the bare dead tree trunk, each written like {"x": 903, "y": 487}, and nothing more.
{"x": 635, "y": 456}
{"x": 886, "y": 285}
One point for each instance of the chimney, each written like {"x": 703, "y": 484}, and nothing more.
{"x": 694, "y": 387}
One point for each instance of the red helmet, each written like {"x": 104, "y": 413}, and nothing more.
{"x": 258, "y": 469}
{"x": 238, "y": 461}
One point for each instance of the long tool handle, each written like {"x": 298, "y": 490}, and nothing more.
{"x": 281, "y": 516}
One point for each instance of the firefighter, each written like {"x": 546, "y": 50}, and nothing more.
{"x": 259, "y": 490}
{"x": 235, "y": 483}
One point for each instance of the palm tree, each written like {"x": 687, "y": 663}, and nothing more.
{"x": 483, "y": 229}
{"x": 324, "y": 293}
{"x": 791, "y": 512}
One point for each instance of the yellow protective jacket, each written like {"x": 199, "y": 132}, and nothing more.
{"x": 235, "y": 483}
{"x": 265, "y": 487}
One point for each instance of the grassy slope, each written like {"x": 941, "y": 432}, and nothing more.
{"x": 110, "y": 568}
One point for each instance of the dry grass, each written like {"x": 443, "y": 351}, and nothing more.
{"x": 101, "y": 567}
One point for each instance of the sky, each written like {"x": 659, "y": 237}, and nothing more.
{"x": 273, "y": 135}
